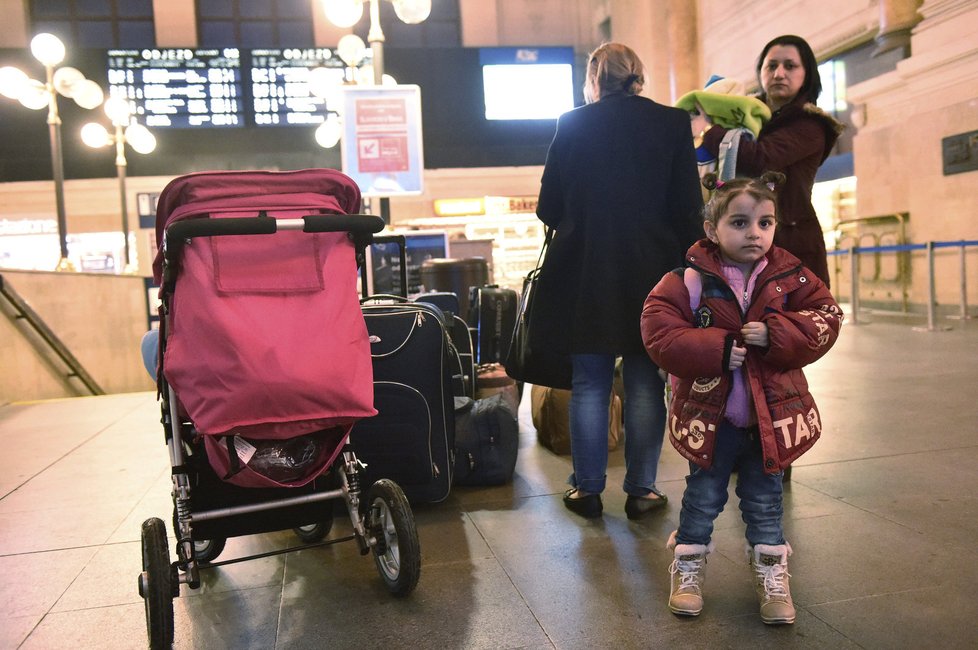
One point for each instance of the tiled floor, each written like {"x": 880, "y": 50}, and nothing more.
{"x": 882, "y": 514}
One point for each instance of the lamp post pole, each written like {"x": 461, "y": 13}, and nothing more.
{"x": 57, "y": 168}
{"x": 125, "y": 131}
{"x": 37, "y": 95}
{"x": 375, "y": 36}
{"x": 346, "y": 13}
{"x": 120, "y": 166}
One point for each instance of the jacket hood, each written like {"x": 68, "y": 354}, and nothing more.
{"x": 705, "y": 255}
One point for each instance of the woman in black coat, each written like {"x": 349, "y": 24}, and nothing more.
{"x": 621, "y": 190}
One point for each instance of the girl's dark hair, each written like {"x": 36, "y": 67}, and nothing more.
{"x": 760, "y": 189}
{"x": 812, "y": 87}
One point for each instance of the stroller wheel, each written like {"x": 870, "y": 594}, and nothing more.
{"x": 316, "y": 532}
{"x": 157, "y": 584}
{"x": 397, "y": 552}
{"x": 207, "y": 550}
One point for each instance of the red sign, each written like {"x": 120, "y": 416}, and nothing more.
{"x": 381, "y": 152}
{"x": 381, "y": 112}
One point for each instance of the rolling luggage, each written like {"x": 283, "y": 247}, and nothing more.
{"x": 456, "y": 276}
{"x": 412, "y": 438}
{"x": 464, "y": 375}
{"x": 492, "y": 314}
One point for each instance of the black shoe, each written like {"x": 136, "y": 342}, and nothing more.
{"x": 638, "y": 507}
{"x": 588, "y": 507}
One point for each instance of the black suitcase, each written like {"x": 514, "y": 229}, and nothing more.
{"x": 456, "y": 276}
{"x": 465, "y": 375}
{"x": 492, "y": 315}
{"x": 412, "y": 438}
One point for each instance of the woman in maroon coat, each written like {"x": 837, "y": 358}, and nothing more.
{"x": 795, "y": 142}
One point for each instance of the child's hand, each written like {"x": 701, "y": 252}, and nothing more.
{"x": 737, "y": 355}
{"x": 755, "y": 333}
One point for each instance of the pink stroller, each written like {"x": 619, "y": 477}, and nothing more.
{"x": 264, "y": 368}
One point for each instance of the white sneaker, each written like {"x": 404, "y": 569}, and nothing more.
{"x": 686, "y": 579}
{"x": 769, "y": 565}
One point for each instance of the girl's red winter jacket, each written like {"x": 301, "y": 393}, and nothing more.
{"x": 803, "y": 322}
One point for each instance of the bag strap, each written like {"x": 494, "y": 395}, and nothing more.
{"x": 727, "y": 156}
{"x": 548, "y": 234}
{"x": 694, "y": 285}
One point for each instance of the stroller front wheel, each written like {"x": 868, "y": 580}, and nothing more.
{"x": 207, "y": 550}
{"x": 157, "y": 584}
{"x": 397, "y": 552}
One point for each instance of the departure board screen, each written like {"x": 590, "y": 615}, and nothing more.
{"x": 280, "y": 87}
{"x": 180, "y": 88}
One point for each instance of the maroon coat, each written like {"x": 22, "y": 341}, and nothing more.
{"x": 803, "y": 322}
{"x": 795, "y": 142}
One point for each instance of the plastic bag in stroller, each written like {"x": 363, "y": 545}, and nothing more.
{"x": 264, "y": 369}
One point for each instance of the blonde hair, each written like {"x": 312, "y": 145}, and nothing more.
{"x": 613, "y": 68}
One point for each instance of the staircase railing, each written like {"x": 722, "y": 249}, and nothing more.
{"x": 32, "y": 318}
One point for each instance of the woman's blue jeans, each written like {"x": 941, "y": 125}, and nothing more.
{"x": 760, "y": 494}
{"x": 645, "y": 421}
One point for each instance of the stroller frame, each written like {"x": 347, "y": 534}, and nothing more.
{"x": 382, "y": 520}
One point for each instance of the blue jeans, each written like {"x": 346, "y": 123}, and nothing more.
{"x": 706, "y": 491}
{"x": 150, "y": 349}
{"x": 645, "y": 421}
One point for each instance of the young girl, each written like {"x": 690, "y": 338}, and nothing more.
{"x": 735, "y": 327}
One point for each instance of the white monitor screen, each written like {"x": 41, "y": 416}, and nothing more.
{"x": 527, "y": 84}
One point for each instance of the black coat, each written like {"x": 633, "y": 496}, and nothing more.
{"x": 621, "y": 189}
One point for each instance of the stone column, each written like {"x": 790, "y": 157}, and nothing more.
{"x": 897, "y": 19}
{"x": 176, "y": 23}
{"x": 684, "y": 59}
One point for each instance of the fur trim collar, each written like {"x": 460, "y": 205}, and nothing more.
{"x": 833, "y": 123}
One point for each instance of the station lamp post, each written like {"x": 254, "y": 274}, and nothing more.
{"x": 37, "y": 95}
{"x": 347, "y": 13}
{"x": 125, "y": 131}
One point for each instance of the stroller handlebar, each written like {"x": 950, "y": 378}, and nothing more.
{"x": 360, "y": 226}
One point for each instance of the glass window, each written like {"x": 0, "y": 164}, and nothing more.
{"x": 93, "y": 8}
{"x": 255, "y": 8}
{"x": 94, "y": 33}
{"x": 256, "y": 23}
{"x": 217, "y": 33}
{"x": 96, "y": 23}
{"x": 135, "y": 8}
{"x": 215, "y": 8}
{"x": 254, "y": 34}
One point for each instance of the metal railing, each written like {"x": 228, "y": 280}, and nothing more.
{"x": 27, "y": 314}
{"x": 930, "y": 247}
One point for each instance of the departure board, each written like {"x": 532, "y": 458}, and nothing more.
{"x": 280, "y": 85}
{"x": 180, "y": 88}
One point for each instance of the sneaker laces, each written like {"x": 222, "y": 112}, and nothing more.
{"x": 688, "y": 567}
{"x": 772, "y": 576}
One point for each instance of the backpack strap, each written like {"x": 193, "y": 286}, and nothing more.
{"x": 694, "y": 285}
{"x": 727, "y": 157}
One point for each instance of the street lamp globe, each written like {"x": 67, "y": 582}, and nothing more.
{"x": 12, "y": 81}
{"x": 95, "y": 135}
{"x": 48, "y": 49}
{"x": 412, "y": 12}
{"x": 117, "y": 110}
{"x": 34, "y": 95}
{"x": 343, "y": 13}
{"x": 351, "y": 49}
{"x": 140, "y": 138}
